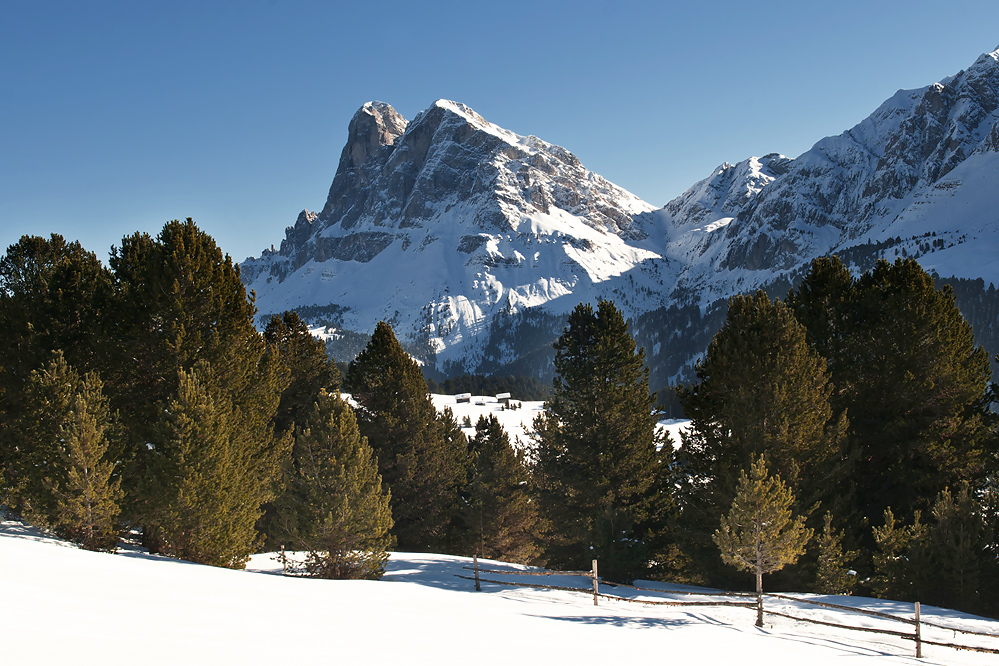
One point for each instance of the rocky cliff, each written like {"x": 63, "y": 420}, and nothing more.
{"x": 473, "y": 241}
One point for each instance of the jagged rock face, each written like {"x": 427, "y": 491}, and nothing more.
{"x": 476, "y": 218}
{"x": 448, "y": 224}
{"x": 727, "y": 191}
{"x": 848, "y": 186}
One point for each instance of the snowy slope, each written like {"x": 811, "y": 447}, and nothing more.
{"x": 62, "y": 605}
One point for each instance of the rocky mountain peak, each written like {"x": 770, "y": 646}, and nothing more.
{"x": 376, "y": 124}
{"x": 450, "y": 227}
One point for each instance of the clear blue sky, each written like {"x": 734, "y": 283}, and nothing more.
{"x": 118, "y": 116}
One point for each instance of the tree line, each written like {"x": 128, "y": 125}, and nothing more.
{"x": 139, "y": 397}
{"x": 851, "y": 420}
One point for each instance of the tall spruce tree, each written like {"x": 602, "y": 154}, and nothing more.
{"x": 53, "y": 296}
{"x": 336, "y": 508}
{"x": 762, "y": 391}
{"x": 179, "y": 301}
{"x": 597, "y": 455}
{"x": 760, "y": 534}
{"x": 906, "y": 369}
{"x": 502, "y": 519}
{"x": 311, "y": 369}
{"x": 181, "y": 305}
{"x": 68, "y": 481}
{"x": 208, "y": 478}
{"x": 423, "y": 463}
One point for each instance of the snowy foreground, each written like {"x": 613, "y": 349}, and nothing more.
{"x": 64, "y": 605}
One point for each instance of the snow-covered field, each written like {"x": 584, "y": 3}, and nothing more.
{"x": 517, "y": 422}
{"x": 62, "y": 605}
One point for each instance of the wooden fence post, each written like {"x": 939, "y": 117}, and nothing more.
{"x": 475, "y": 563}
{"x": 596, "y": 588}
{"x": 284, "y": 561}
{"x": 919, "y": 643}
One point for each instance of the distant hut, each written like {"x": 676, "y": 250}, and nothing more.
{"x": 463, "y": 397}
{"x": 503, "y": 399}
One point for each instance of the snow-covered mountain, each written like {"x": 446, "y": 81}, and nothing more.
{"x": 474, "y": 242}
{"x": 439, "y": 224}
{"x": 923, "y": 163}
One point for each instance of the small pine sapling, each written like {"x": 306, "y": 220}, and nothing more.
{"x": 759, "y": 533}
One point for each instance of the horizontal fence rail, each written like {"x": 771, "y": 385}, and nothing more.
{"x": 916, "y": 622}
{"x": 852, "y": 609}
{"x": 873, "y": 630}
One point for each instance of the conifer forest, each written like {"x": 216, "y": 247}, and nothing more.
{"x": 843, "y": 437}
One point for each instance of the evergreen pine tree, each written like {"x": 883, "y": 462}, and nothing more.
{"x": 337, "y": 510}
{"x": 906, "y": 369}
{"x": 53, "y": 295}
{"x": 88, "y": 505}
{"x": 502, "y": 518}
{"x": 208, "y": 478}
{"x": 762, "y": 391}
{"x": 948, "y": 561}
{"x": 312, "y": 370}
{"x": 180, "y": 303}
{"x": 901, "y": 561}
{"x": 759, "y": 534}
{"x": 833, "y": 574}
{"x": 424, "y": 466}
{"x": 69, "y": 483}
{"x": 958, "y": 542}
{"x": 596, "y": 458}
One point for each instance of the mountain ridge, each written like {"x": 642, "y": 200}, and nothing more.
{"x": 454, "y": 229}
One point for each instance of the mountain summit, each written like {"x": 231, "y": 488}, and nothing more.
{"x": 438, "y": 224}
{"x": 474, "y": 241}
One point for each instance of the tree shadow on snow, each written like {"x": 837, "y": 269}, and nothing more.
{"x": 872, "y": 649}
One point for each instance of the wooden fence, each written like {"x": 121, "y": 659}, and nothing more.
{"x": 757, "y": 603}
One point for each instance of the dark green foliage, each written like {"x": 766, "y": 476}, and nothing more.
{"x": 336, "y": 509}
{"x": 901, "y": 562}
{"x": 181, "y": 305}
{"x": 421, "y": 457}
{"x": 502, "y": 519}
{"x": 759, "y": 533}
{"x": 833, "y": 574}
{"x": 948, "y": 561}
{"x": 311, "y": 371}
{"x": 67, "y": 482}
{"x": 310, "y": 368}
{"x": 170, "y": 330}
{"x": 762, "y": 391}
{"x": 596, "y": 460}
{"x": 208, "y": 476}
{"x": 52, "y": 296}
{"x": 959, "y": 541}
{"x": 180, "y": 300}
{"x": 906, "y": 369}
{"x": 980, "y": 307}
